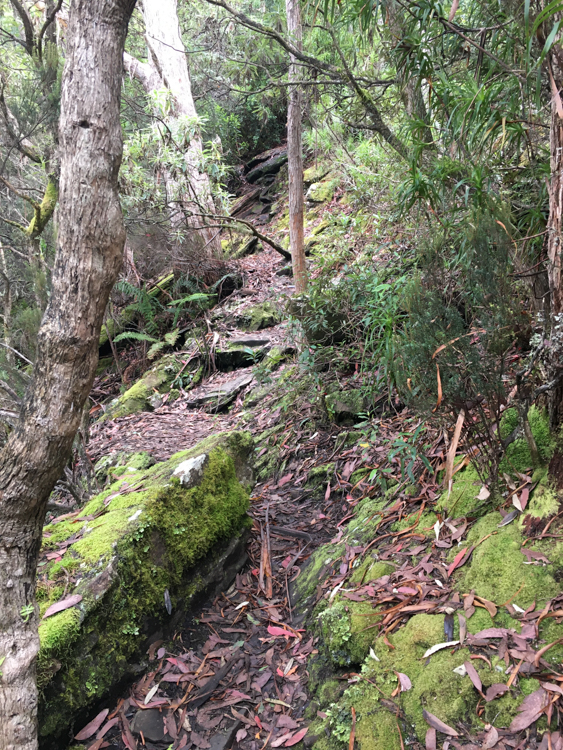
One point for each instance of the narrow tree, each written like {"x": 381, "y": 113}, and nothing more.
{"x": 167, "y": 69}
{"x": 294, "y": 152}
{"x": 89, "y": 253}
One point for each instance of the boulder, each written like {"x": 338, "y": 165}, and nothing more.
{"x": 344, "y": 406}
{"x": 258, "y": 317}
{"x": 315, "y": 173}
{"x": 221, "y": 396}
{"x": 158, "y": 380}
{"x": 321, "y": 192}
{"x": 269, "y": 167}
{"x": 240, "y": 352}
{"x": 139, "y": 554}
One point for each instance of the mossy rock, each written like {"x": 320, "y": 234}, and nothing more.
{"x": 321, "y": 192}
{"x": 179, "y": 527}
{"x": 315, "y": 173}
{"x": 345, "y": 406}
{"x": 435, "y": 688}
{"x": 138, "y": 398}
{"x": 498, "y": 569}
{"x": 258, "y": 317}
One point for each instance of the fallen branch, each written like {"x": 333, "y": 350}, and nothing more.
{"x": 233, "y": 220}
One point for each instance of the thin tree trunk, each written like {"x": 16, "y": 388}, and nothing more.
{"x": 6, "y": 306}
{"x": 554, "y": 233}
{"x": 89, "y": 252}
{"x": 168, "y": 69}
{"x": 294, "y": 153}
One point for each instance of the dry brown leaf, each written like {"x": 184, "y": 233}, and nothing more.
{"x": 452, "y": 450}
{"x": 491, "y": 739}
{"x": 431, "y": 739}
{"x": 438, "y": 724}
{"x": 473, "y": 675}
{"x": 91, "y": 728}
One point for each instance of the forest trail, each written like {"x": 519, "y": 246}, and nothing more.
{"x": 276, "y": 659}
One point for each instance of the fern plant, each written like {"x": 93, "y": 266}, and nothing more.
{"x": 157, "y": 345}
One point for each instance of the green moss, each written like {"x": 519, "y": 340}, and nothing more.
{"x": 258, "y": 317}
{"x": 58, "y": 633}
{"x": 343, "y": 627}
{"x": 497, "y": 570}
{"x": 462, "y": 500}
{"x": 370, "y": 570}
{"x": 543, "y": 503}
{"x": 329, "y": 692}
{"x": 322, "y": 560}
{"x": 345, "y": 404}
{"x": 518, "y": 456}
{"x": 319, "y": 475}
{"x": 127, "y": 559}
{"x": 320, "y": 192}
{"x": 136, "y": 398}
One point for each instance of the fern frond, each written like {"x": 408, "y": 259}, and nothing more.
{"x": 171, "y": 337}
{"x": 134, "y": 336}
{"x": 155, "y": 348}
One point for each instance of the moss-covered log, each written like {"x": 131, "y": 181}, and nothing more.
{"x": 175, "y": 527}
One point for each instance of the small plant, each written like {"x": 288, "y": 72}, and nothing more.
{"x": 26, "y": 612}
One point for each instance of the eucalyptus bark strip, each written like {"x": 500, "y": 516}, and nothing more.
{"x": 88, "y": 258}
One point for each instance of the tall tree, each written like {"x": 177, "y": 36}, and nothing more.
{"x": 295, "y": 151}
{"x": 89, "y": 254}
{"x": 167, "y": 70}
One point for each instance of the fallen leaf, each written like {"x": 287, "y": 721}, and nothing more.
{"x": 462, "y": 627}
{"x": 491, "y": 739}
{"x": 494, "y": 691}
{"x": 491, "y": 607}
{"x": 70, "y": 601}
{"x": 404, "y": 681}
{"x": 438, "y": 647}
{"x": 473, "y": 675}
{"x": 492, "y": 633}
{"x": 275, "y": 631}
{"x": 437, "y": 724}
{"x": 431, "y": 739}
{"x": 457, "y": 559}
{"x": 297, "y": 737}
{"x": 241, "y": 734}
{"x": 91, "y": 728}
{"x": 551, "y": 687}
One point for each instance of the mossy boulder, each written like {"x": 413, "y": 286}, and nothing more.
{"x": 157, "y": 380}
{"x": 141, "y": 552}
{"x": 258, "y": 317}
{"x": 315, "y": 173}
{"x": 345, "y": 406}
{"x": 321, "y": 192}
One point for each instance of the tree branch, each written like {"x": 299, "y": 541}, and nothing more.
{"x": 48, "y": 21}
{"x": 27, "y": 26}
{"x": 232, "y": 220}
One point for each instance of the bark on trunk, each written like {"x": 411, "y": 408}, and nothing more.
{"x": 89, "y": 252}
{"x": 294, "y": 153}
{"x": 554, "y": 236}
{"x": 168, "y": 69}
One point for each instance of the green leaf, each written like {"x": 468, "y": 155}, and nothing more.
{"x": 134, "y": 336}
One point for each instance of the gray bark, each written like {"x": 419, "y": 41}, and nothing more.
{"x": 88, "y": 259}
{"x": 168, "y": 69}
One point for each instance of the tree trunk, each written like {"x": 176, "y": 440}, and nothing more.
{"x": 409, "y": 86}
{"x": 89, "y": 251}
{"x": 294, "y": 153}
{"x": 168, "y": 69}
{"x": 554, "y": 315}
